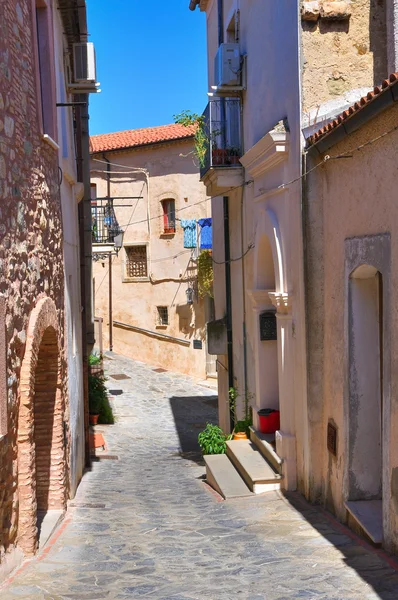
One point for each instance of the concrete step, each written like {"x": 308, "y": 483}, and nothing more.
{"x": 224, "y": 478}
{"x": 369, "y": 515}
{"x": 257, "y": 473}
{"x": 263, "y": 442}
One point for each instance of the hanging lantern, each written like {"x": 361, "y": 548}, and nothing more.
{"x": 190, "y": 294}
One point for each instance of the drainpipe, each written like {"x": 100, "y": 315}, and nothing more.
{"x": 84, "y": 213}
{"x": 110, "y": 304}
{"x": 228, "y": 300}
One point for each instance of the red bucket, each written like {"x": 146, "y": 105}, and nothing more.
{"x": 269, "y": 423}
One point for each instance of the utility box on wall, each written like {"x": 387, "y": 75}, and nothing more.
{"x": 217, "y": 337}
{"x": 268, "y": 328}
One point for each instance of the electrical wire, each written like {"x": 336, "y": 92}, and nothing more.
{"x": 224, "y": 262}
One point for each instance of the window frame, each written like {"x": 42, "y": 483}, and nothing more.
{"x": 159, "y": 319}
{"x": 167, "y": 228}
{"x": 43, "y": 49}
{"x": 126, "y": 278}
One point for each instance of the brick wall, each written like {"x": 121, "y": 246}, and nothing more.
{"x": 31, "y": 265}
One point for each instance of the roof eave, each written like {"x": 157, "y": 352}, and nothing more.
{"x": 141, "y": 146}
{"x": 381, "y": 102}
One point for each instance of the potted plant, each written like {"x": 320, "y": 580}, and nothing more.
{"x": 218, "y": 155}
{"x": 242, "y": 427}
{"x": 212, "y": 440}
{"x": 96, "y": 394}
{"x": 233, "y": 155}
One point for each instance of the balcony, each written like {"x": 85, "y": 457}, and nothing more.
{"x": 221, "y": 167}
{"x": 105, "y": 227}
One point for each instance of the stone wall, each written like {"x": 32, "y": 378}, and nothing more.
{"x": 344, "y": 48}
{"x": 31, "y": 265}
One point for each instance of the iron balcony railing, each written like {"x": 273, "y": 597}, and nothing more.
{"x": 104, "y": 223}
{"x": 222, "y": 125}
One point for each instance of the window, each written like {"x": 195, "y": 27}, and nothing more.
{"x": 46, "y": 91}
{"x": 162, "y": 316}
{"x": 136, "y": 262}
{"x": 169, "y": 216}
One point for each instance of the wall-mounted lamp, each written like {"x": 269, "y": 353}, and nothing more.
{"x": 190, "y": 294}
{"x": 118, "y": 241}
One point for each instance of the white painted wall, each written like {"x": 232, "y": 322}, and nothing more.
{"x": 70, "y": 194}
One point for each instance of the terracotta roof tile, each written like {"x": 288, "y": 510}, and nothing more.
{"x": 346, "y": 114}
{"x": 139, "y": 137}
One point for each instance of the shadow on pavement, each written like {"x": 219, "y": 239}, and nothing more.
{"x": 191, "y": 413}
{"x": 371, "y": 564}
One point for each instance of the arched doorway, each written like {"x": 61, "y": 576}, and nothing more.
{"x": 266, "y": 349}
{"x": 41, "y": 452}
{"x": 365, "y": 406}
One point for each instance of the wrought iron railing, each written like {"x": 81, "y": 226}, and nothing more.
{"x": 222, "y": 124}
{"x": 104, "y": 223}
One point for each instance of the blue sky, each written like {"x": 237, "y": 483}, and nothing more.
{"x": 151, "y": 62}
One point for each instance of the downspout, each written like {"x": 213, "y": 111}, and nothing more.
{"x": 228, "y": 300}
{"x": 84, "y": 213}
{"x": 110, "y": 304}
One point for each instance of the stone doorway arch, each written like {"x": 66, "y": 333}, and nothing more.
{"x": 41, "y": 452}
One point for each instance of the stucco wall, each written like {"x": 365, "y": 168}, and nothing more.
{"x": 31, "y": 244}
{"x": 339, "y": 55}
{"x": 349, "y": 198}
{"x": 172, "y": 174}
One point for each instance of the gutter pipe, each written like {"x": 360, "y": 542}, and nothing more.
{"x": 110, "y": 292}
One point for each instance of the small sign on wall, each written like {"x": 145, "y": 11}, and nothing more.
{"x": 268, "y": 328}
{"x": 197, "y": 345}
{"x": 332, "y": 439}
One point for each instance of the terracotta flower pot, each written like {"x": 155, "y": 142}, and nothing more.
{"x": 240, "y": 435}
{"x": 93, "y": 419}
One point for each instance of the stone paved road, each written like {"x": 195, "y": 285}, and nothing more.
{"x": 162, "y": 535}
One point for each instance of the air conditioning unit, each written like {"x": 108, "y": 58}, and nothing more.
{"x": 227, "y": 66}
{"x": 84, "y": 63}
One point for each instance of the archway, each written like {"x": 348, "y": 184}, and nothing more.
{"x": 41, "y": 453}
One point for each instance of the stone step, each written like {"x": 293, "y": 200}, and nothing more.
{"x": 263, "y": 442}
{"x": 224, "y": 478}
{"x": 369, "y": 515}
{"x": 257, "y": 473}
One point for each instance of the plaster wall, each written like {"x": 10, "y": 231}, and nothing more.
{"x": 269, "y": 36}
{"x": 70, "y": 192}
{"x": 339, "y": 55}
{"x": 31, "y": 248}
{"x": 172, "y": 174}
{"x": 348, "y": 202}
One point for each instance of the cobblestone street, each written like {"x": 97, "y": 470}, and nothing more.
{"x": 146, "y": 525}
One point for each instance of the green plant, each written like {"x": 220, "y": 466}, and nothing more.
{"x": 94, "y": 359}
{"x": 98, "y": 399}
{"x": 243, "y": 426}
{"x": 212, "y": 440}
{"x": 187, "y": 119}
{"x": 205, "y": 274}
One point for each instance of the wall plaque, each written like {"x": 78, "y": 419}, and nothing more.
{"x": 332, "y": 439}
{"x": 197, "y": 345}
{"x": 268, "y": 329}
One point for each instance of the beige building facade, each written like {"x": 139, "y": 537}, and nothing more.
{"x": 158, "y": 316}
{"x": 351, "y": 259}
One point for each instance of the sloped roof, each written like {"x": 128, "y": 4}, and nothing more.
{"x": 365, "y": 101}
{"x": 139, "y": 137}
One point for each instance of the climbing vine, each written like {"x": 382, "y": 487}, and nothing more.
{"x": 205, "y": 274}
{"x": 187, "y": 119}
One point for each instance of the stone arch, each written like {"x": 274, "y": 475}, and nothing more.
{"x": 41, "y": 453}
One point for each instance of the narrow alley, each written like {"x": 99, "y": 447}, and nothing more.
{"x": 144, "y": 523}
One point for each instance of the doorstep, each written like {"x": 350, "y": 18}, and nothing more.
{"x": 369, "y": 515}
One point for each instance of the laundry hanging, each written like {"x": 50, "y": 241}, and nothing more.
{"x": 189, "y": 227}
{"x": 206, "y": 236}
